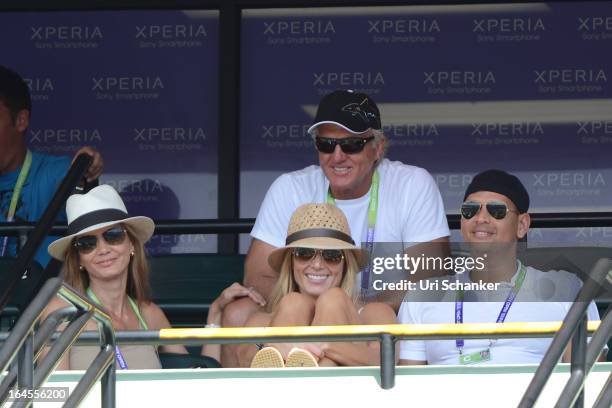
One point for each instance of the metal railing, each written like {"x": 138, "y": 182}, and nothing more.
{"x": 22, "y": 343}
{"x": 244, "y": 225}
{"x": 582, "y": 357}
{"x": 27, "y": 344}
{"x": 582, "y": 360}
{"x": 387, "y": 335}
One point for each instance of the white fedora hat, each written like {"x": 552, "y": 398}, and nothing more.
{"x": 100, "y": 207}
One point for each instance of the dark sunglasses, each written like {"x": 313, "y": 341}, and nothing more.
{"x": 349, "y": 145}
{"x": 331, "y": 256}
{"x": 87, "y": 243}
{"x": 496, "y": 209}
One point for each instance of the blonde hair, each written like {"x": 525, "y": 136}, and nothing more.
{"x": 286, "y": 282}
{"x": 138, "y": 270}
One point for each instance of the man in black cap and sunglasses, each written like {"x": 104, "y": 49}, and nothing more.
{"x": 494, "y": 219}
{"x": 494, "y": 216}
{"x": 384, "y": 201}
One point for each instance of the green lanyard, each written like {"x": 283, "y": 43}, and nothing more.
{"x": 93, "y": 297}
{"x": 118, "y": 354}
{"x": 23, "y": 175}
{"x": 372, "y": 211}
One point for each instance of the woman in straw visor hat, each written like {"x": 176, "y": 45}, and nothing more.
{"x": 317, "y": 287}
{"x": 104, "y": 259}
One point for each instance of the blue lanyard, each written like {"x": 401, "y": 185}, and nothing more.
{"x": 459, "y": 343}
{"x": 372, "y": 211}
{"x": 120, "y": 360}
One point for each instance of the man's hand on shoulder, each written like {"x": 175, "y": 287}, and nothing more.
{"x": 257, "y": 271}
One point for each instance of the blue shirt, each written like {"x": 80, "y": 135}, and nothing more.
{"x": 44, "y": 177}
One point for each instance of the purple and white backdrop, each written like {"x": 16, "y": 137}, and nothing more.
{"x": 140, "y": 86}
{"x": 522, "y": 87}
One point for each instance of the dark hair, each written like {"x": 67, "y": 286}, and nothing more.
{"x": 14, "y": 92}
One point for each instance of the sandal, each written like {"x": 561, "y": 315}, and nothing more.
{"x": 301, "y": 358}
{"x": 268, "y": 357}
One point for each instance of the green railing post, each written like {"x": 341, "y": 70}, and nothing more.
{"x": 387, "y": 361}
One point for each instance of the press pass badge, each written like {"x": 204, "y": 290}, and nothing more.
{"x": 475, "y": 358}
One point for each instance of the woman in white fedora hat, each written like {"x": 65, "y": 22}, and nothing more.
{"x": 104, "y": 258}
{"x": 317, "y": 287}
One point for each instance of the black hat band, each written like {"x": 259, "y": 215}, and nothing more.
{"x": 319, "y": 233}
{"x": 95, "y": 217}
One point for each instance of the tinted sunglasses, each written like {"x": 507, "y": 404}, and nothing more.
{"x": 331, "y": 256}
{"x": 87, "y": 243}
{"x": 349, "y": 145}
{"x": 496, "y": 209}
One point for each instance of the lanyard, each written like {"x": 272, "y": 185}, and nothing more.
{"x": 372, "y": 211}
{"x": 23, "y": 174}
{"x": 502, "y": 313}
{"x": 118, "y": 355}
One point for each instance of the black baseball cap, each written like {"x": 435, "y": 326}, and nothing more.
{"x": 503, "y": 183}
{"x": 353, "y": 111}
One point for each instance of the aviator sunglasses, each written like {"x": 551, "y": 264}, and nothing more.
{"x": 496, "y": 209}
{"x": 349, "y": 145}
{"x": 87, "y": 243}
{"x": 331, "y": 256}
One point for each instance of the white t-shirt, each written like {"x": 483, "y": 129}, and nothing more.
{"x": 410, "y": 208}
{"x": 523, "y": 309}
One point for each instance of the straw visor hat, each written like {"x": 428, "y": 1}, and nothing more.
{"x": 316, "y": 226}
{"x": 99, "y": 208}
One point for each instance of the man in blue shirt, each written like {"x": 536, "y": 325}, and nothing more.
{"x": 28, "y": 180}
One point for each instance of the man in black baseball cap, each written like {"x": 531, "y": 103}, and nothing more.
{"x": 383, "y": 200}
{"x": 347, "y": 133}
